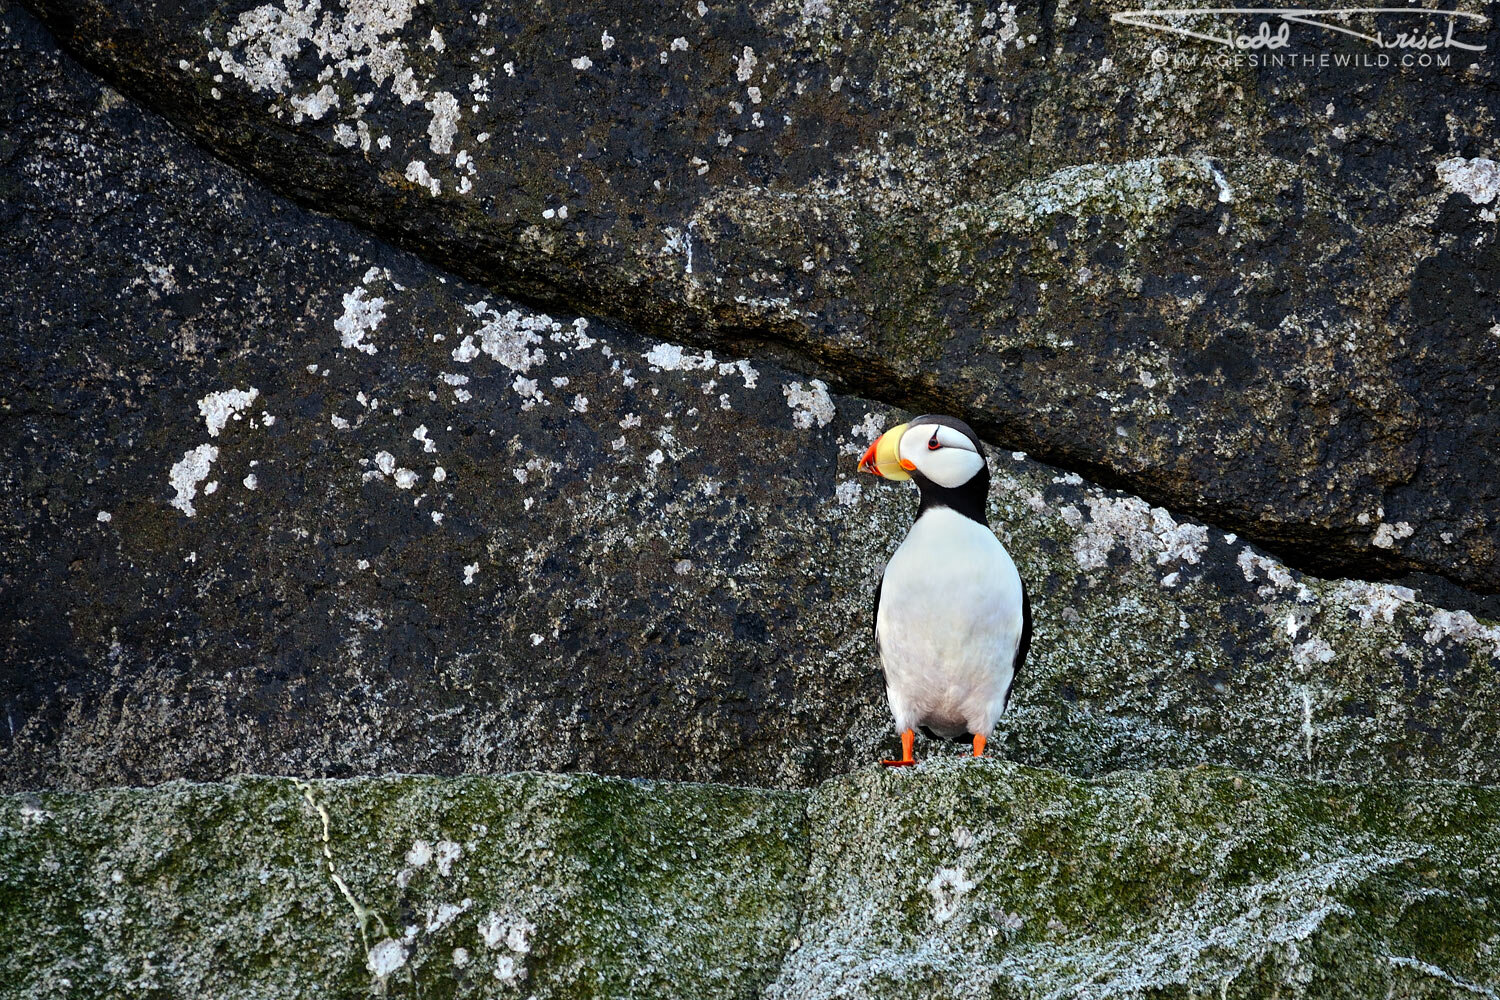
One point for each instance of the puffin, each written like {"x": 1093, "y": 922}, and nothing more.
{"x": 952, "y": 616}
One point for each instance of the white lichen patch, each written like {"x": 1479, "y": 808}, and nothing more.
{"x": 545, "y": 466}
{"x": 264, "y": 44}
{"x": 444, "y": 914}
{"x": 188, "y": 472}
{"x": 507, "y": 338}
{"x": 445, "y": 854}
{"x": 1370, "y": 601}
{"x": 673, "y": 358}
{"x": 1314, "y": 650}
{"x": 362, "y": 315}
{"x": 314, "y": 105}
{"x": 1460, "y": 626}
{"x": 1010, "y": 30}
{"x": 470, "y": 571}
{"x": 420, "y": 853}
{"x": 269, "y": 38}
{"x": 863, "y": 433}
{"x": 1477, "y": 179}
{"x": 417, "y": 173}
{"x": 947, "y": 887}
{"x": 218, "y": 408}
{"x": 1252, "y": 563}
{"x": 1146, "y": 532}
{"x": 745, "y": 65}
{"x": 1387, "y": 535}
{"x": 508, "y": 932}
{"x": 575, "y": 333}
{"x": 444, "y": 125}
{"x": 33, "y": 814}
{"x": 386, "y": 957}
{"x": 745, "y": 370}
{"x": 508, "y": 971}
{"x": 1144, "y": 187}
{"x": 810, "y": 405}
{"x": 528, "y": 390}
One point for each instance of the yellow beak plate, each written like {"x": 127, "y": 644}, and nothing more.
{"x": 883, "y": 457}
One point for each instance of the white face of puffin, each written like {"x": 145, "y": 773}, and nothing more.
{"x": 941, "y": 453}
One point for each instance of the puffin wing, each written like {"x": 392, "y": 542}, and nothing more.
{"x": 875, "y": 611}
{"x": 1023, "y": 646}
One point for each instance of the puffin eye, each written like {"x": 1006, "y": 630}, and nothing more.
{"x": 932, "y": 442}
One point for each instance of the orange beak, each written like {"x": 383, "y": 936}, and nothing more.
{"x": 883, "y": 459}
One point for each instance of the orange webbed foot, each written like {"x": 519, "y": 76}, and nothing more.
{"x": 979, "y": 742}
{"x": 908, "y": 738}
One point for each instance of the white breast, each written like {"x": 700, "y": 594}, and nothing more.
{"x": 948, "y": 624}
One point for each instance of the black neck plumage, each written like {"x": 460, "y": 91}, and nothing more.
{"x": 970, "y": 499}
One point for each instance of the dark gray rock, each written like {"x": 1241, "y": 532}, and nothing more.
{"x": 1260, "y": 297}
{"x": 638, "y": 559}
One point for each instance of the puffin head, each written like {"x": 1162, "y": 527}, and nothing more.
{"x": 942, "y": 455}
{"x": 942, "y": 451}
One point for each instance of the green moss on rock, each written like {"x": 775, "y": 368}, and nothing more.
{"x": 956, "y": 878}
{"x": 527, "y": 885}
{"x": 964, "y": 878}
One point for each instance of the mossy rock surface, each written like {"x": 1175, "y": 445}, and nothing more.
{"x": 453, "y": 533}
{"x": 953, "y": 879}
{"x": 526, "y": 885}
{"x": 964, "y": 880}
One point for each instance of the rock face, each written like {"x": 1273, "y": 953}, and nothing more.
{"x": 1260, "y": 297}
{"x": 536, "y": 453}
{"x": 524, "y": 885}
{"x": 283, "y": 499}
{"x": 962, "y": 880}
{"x": 959, "y": 878}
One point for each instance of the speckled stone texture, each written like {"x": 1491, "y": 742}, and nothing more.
{"x": 525, "y": 885}
{"x": 283, "y": 499}
{"x": 990, "y": 880}
{"x": 1255, "y": 297}
{"x": 953, "y": 879}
